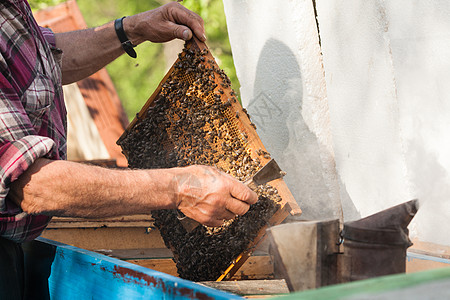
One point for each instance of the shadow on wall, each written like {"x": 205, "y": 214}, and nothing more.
{"x": 276, "y": 109}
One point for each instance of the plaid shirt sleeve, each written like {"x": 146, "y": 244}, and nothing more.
{"x": 32, "y": 112}
{"x": 19, "y": 148}
{"x": 19, "y": 144}
{"x": 48, "y": 35}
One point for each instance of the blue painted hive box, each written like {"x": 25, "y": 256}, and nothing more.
{"x": 65, "y": 272}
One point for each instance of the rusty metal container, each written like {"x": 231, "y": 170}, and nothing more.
{"x": 305, "y": 253}
{"x": 376, "y": 245}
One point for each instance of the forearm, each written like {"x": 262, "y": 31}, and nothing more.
{"x": 87, "y": 51}
{"x": 69, "y": 189}
{"x": 62, "y": 188}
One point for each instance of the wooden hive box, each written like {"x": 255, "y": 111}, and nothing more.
{"x": 193, "y": 117}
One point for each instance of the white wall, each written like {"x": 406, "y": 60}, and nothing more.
{"x": 283, "y": 87}
{"x": 382, "y": 109}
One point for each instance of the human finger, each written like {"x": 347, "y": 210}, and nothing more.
{"x": 217, "y": 212}
{"x": 228, "y": 215}
{"x": 213, "y": 221}
{"x": 243, "y": 193}
{"x": 183, "y": 16}
{"x": 180, "y": 31}
{"x": 210, "y": 215}
{"x": 237, "y": 207}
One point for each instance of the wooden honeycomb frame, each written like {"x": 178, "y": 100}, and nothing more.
{"x": 238, "y": 124}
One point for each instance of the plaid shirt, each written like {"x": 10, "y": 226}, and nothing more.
{"x": 32, "y": 111}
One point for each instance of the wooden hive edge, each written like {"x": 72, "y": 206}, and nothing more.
{"x": 288, "y": 204}
{"x": 194, "y": 42}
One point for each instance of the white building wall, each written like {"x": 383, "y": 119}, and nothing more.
{"x": 380, "y": 107}
{"x": 363, "y": 103}
{"x": 279, "y": 66}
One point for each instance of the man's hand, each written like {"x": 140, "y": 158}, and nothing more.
{"x": 163, "y": 24}
{"x": 210, "y": 196}
{"x": 69, "y": 189}
{"x": 87, "y": 51}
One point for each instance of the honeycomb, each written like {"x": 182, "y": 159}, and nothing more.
{"x": 194, "y": 117}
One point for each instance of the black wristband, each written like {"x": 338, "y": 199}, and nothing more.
{"x": 126, "y": 44}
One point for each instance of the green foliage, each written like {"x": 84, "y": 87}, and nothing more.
{"x": 136, "y": 79}
{"x": 217, "y": 34}
{"x": 40, "y": 4}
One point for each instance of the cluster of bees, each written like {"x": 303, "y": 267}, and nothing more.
{"x": 192, "y": 121}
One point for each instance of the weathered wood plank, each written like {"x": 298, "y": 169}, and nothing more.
{"x": 144, "y": 253}
{"x": 416, "y": 262}
{"x": 164, "y": 265}
{"x": 424, "y": 256}
{"x": 257, "y": 267}
{"x": 106, "y": 238}
{"x": 124, "y": 221}
{"x": 431, "y": 249}
{"x": 250, "y": 287}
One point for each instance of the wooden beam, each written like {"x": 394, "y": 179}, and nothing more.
{"x": 250, "y": 287}
{"x": 424, "y": 256}
{"x": 106, "y": 238}
{"x": 257, "y": 267}
{"x": 431, "y": 249}
{"x": 143, "y": 221}
{"x": 144, "y": 253}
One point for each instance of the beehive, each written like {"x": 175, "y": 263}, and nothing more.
{"x": 193, "y": 117}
